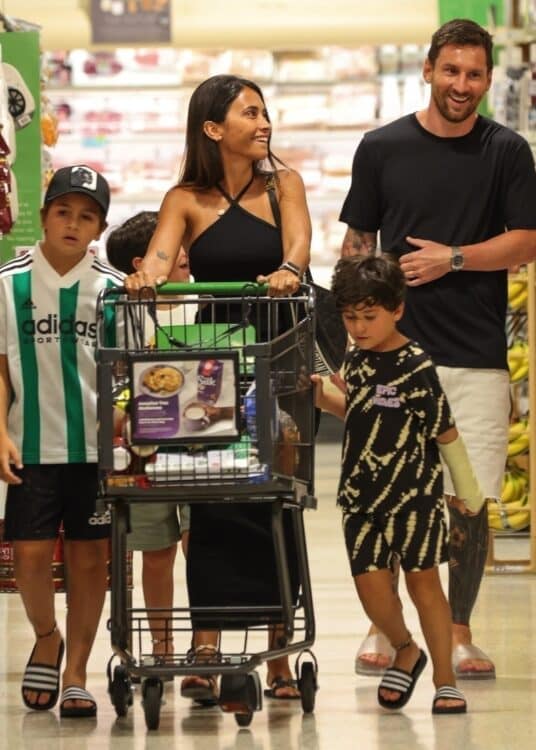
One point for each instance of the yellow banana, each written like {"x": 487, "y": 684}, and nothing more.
{"x": 518, "y": 349}
{"x": 516, "y": 429}
{"x": 512, "y": 518}
{"x": 514, "y": 486}
{"x": 509, "y": 490}
{"x": 519, "y": 521}
{"x": 515, "y": 523}
{"x": 515, "y": 287}
{"x": 524, "y": 501}
{"x": 517, "y": 356}
{"x": 520, "y": 489}
{"x": 519, "y": 300}
{"x": 498, "y": 508}
{"x": 520, "y": 445}
{"x": 520, "y": 372}
{"x": 513, "y": 366}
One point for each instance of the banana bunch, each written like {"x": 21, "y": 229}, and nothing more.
{"x": 517, "y": 293}
{"x": 511, "y": 511}
{"x": 518, "y": 361}
{"x": 515, "y": 486}
{"x": 518, "y": 438}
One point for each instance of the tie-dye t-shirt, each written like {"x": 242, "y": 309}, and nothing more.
{"x": 395, "y": 409}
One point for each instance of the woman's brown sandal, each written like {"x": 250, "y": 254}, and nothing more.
{"x": 202, "y": 688}
{"x": 280, "y": 683}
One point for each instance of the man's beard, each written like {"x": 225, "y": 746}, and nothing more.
{"x": 456, "y": 117}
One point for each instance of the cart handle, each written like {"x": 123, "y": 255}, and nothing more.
{"x": 213, "y": 288}
{"x": 216, "y": 288}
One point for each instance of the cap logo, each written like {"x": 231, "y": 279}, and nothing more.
{"x": 84, "y": 177}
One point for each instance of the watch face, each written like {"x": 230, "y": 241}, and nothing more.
{"x": 456, "y": 262}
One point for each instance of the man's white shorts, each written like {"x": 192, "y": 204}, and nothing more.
{"x": 480, "y": 404}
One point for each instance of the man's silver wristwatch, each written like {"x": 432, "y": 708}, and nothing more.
{"x": 456, "y": 259}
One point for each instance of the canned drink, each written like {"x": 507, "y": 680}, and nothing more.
{"x": 8, "y": 583}
{"x": 209, "y": 380}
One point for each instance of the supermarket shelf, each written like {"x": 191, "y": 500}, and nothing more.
{"x": 267, "y": 86}
{"x": 284, "y": 138}
{"x": 101, "y": 140}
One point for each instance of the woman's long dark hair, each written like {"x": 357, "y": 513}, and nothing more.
{"x": 202, "y": 166}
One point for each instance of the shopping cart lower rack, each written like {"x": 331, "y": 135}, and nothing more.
{"x": 204, "y": 396}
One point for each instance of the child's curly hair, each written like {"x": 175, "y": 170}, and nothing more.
{"x": 370, "y": 280}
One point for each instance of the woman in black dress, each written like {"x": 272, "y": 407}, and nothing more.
{"x": 221, "y": 213}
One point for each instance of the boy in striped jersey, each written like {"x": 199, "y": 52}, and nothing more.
{"x": 48, "y": 440}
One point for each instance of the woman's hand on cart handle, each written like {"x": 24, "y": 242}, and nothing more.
{"x": 281, "y": 283}
{"x": 140, "y": 279}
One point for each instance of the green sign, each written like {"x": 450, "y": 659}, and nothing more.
{"x": 482, "y": 11}
{"x": 21, "y": 71}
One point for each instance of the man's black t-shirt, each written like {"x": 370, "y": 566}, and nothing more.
{"x": 456, "y": 191}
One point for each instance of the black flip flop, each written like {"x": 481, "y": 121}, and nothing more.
{"x": 74, "y": 693}
{"x": 42, "y": 678}
{"x": 448, "y": 692}
{"x": 400, "y": 681}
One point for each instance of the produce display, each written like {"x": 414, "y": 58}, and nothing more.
{"x": 512, "y": 511}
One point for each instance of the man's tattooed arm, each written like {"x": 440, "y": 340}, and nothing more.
{"x": 358, "y": 243}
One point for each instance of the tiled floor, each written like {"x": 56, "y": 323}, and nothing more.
{"x": 502, "y": 715}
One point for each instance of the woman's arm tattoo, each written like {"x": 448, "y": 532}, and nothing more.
{"x": 162, "y": 255}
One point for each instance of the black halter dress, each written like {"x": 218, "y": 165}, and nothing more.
{"x": 230, "y": 554}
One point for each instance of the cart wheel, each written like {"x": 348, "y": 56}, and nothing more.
{"x": 152, "y": 693}
{"x": 120, "y": 691}
{"x": 307, "y": 686}
{"x": 244, "y": 720}
{"x": 241, "y": 695}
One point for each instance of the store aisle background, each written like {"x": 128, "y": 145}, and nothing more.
{"x": 502, "y": 715}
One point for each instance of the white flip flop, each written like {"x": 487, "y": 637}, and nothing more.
{"x": 463, "y": 652}
{"x": 376, "y": 643}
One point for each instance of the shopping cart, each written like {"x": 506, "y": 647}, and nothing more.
{"x": 219, "y": 410}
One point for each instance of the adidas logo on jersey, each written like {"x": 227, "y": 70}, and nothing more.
{"x": 28, "y": 305}
{"x": 50, "y": 325}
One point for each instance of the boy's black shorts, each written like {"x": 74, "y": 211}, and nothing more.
{"x": 417, "y": 538}
{"x": 52, "y": 494}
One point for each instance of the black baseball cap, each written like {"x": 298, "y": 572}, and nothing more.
{"x": 79, "y": 179}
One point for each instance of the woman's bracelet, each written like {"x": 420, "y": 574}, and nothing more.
{"x": 292, "y": 267}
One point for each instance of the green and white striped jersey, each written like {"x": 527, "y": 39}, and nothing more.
{"x": 48, "y": 333}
